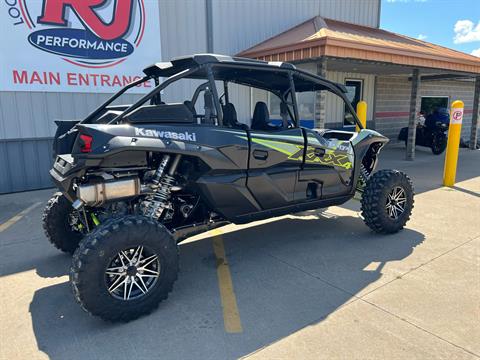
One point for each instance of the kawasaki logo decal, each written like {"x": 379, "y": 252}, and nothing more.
{"x": 186, "y": 136}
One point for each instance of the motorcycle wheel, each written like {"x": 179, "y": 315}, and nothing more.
{"x": 439, "y": 143}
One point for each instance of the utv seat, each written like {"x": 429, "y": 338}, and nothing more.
{"x": 261, "y": 118}
{"x": 230, "y": 117}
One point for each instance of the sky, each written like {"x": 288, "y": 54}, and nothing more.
{"x": 451, "y": 23}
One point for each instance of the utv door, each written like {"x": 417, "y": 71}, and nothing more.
{"x": 274, "y": 162}
{"x": 328, "y": 167}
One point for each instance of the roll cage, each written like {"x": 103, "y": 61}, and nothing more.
{"x": 282, "y": 79}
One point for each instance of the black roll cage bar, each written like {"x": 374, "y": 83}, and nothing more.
{"x": 154, "y": 95}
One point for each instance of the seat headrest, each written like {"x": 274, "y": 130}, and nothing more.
{"x": 261, "y": 116}
{"x": 229, "y": 115}
{"x": 261, "y": 110}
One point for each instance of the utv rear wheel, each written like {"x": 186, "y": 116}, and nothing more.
{"x": 387, "y": 201}
{"x": 59, "y": 224}
{"x": 124, "y": 269}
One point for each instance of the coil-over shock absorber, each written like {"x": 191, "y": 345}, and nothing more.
{"x": 363, "y": 178}
{"x": 162, "y": 183}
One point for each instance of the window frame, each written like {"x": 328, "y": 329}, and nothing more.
{"x": 362, "y": 82}
{"x": 438, "y": 97}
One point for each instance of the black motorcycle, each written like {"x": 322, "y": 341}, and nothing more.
{"x": 434, "y": 137}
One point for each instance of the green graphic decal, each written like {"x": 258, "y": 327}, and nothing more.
{"x": 283, "y": 147}
{"x": 294, "y": 152}
{"x": 330, "y": 158}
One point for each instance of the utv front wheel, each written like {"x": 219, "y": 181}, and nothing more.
{"x": 387, "y": 201}
{"x": 60, "y": 224}
{"x": 124, "y": 268}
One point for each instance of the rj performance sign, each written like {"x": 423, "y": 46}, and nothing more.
{"x": 77, "y": 45}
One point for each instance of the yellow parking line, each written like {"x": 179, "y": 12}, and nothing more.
{"x": 231, "y": 316}
{"x": 17, "y": 217}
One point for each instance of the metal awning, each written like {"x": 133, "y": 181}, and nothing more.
{"x": 322, "y": 37}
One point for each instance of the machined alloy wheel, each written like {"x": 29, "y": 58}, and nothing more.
{"x": 132, "y": 273}
{"x": 387, "y": 201}
{"x": 124, "y": 268}
{"x": 396, "y": 201}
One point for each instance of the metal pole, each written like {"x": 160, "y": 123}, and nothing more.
{"x": 216, "y": 101}
{"x": 374, "y": 108}
{"x": 320, "y": 96}
{"x": 454, "y": 131}
{"x": 412, "y": 119}
{"x": 113, "y": 98}
{"x": 154, "y": 92}
{"x": 209, "y": 24}
{"x": 294, "y": 99}
{"x": 475, "y": 115}
{"x": 362, "y": 114}
{"x": 225, "y": 91}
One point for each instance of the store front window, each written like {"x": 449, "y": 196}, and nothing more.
{"x": 431, "y": 103}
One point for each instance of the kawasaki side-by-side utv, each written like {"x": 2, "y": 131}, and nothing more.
{"x": 137, "y": 179}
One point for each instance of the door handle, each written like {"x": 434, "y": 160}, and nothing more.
{"x": 319, "y": 152}
{"x": 260, "y": 154}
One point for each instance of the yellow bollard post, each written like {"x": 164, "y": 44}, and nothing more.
{"x": 362, "y": 114}
{"x": 453, "y": 143}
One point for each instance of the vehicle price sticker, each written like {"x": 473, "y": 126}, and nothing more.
{"x": 457, "y": 116}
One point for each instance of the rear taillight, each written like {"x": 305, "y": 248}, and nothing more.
{"x": 86, "y": 143}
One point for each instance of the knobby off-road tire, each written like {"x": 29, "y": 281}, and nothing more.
{"x": 384, "y": 189}
{"x": 56, "y": 224}
{"x": 439, "y": 144}
{"x": 94, "y": 286}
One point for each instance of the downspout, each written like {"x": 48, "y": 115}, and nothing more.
{"x": 379, "y": 13}
{"x": 374, "y": 105}
{"x": 209, "y": 27}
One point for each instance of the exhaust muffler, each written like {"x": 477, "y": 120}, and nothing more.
{"x": 99, "y": 193}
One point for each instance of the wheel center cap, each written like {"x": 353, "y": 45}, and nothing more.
{"x": 132, "y": 270}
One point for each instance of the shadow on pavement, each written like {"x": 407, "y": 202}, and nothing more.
{"x": 426, "y": 170}
{"x": 287, "y": 274}
{"x": 466, "y": 191}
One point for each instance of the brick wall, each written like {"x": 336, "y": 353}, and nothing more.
{"x": 393, "y": 100}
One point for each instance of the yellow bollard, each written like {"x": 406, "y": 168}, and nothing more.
{"x": 362, "y": 114}
{"x": 453, "y": 143}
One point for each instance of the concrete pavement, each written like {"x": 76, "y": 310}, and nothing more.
{"x": 312, "y": 285}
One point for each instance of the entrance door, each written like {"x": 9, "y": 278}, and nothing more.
{"x": 274, "y": 162}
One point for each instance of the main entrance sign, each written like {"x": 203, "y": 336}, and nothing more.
{"x": 77, "y": 45}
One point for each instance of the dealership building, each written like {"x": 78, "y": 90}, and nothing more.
{"x": 49, "y": 74}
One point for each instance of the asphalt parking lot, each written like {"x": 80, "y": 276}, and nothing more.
{"x": 313, "y": 285}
